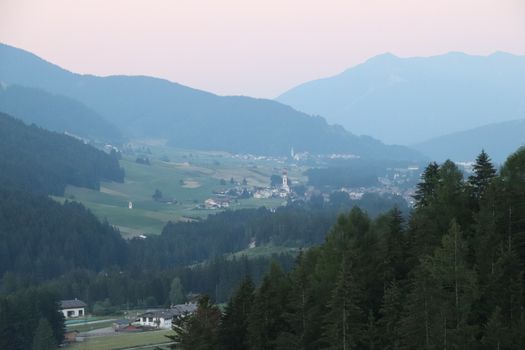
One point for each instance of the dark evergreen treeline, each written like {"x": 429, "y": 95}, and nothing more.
{"x": 451, "y": 277}
{"x": 113, "y": 289}
{"x": 231, "y": 231}
{"x": 37, "y": 160}
{"x": 42, "y": 238}
{"x": 66, "y": 247}
{"x": 30, "y": 319}
{"x": 299, "y": 224}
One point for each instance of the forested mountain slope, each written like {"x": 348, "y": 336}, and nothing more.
{"x": 56, "y": 113}
{"x": 37, "y": 160}
{"x": 146, "y": 107}
{"x": 42, "y": 238}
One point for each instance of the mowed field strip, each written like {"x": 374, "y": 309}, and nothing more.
{"x": 123, "y": 341}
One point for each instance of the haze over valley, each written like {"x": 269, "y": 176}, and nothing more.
{"x": 198, "y": 175}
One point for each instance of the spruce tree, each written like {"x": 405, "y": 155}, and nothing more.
{"x": 395, "y": 245}
{"x": 44, "y": 338}
{"x": 371, "y": 337}
{"x": 303, "y": 316}
{"x": 345, "y": 321}
{"x": 457, "y": 288}
{"x": 267, "y": 317}
{"x": 451, "y": 198}
{"x": 426, "y": 189}
{"x": 496, "y": 335}
{"x": 421, "y": 312}
{"x": 484, "y": 173}
{"x": 513, "y": 202}
{"x": 200, "y": 330}
{"x": 176, "y": 292}
{"x": 391, "y": 314}
{"x": 233, "y": 331}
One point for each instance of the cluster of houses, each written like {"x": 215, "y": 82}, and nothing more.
{"x": 276, "y": 192}
{"x": 151, "y": 319}
{"x": 223, "y": 198}
{"x": 162, "y": 318}
{"x": 154, "y": 318}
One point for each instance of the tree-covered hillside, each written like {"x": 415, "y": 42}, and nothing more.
{"x": 55, "y": 112}
{"x": 42, "y": 238}
{"x": 36, "y": 160}
{"x": 29, "y": 319}
{"x": 451, "y": 277}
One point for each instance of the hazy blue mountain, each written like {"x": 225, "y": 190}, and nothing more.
{"x": 499, "y": 140}
{"x": 55, "y": 112}
{"x": 409, "y": 100}
{"x": 154, "y": 108}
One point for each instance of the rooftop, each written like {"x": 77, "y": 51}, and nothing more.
{"x": 72, "y": 304}
{"x": 175, "y": 310}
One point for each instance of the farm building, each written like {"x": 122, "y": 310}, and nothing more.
{"x": 73, "y": 308}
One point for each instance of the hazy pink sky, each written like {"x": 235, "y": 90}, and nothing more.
{"x": 257, "y": 48}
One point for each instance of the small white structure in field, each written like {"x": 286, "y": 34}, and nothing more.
{"x": 73, "y": 308}
{"x": 130, "y": 205}
{"x": 285, "y": 185}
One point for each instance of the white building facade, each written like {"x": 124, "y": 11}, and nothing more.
{"x": 73, "y": 308}
{"x": 163, "y": 319}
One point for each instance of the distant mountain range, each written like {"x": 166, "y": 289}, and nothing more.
{"x": 55, "y": 112}
{"x": 498, "y": 139}
{"x": 410, "y": 100}
{"x": 145, "y": 107}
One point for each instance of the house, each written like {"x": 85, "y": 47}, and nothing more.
{"x": 186, "y": 308}
{"x": 73, "y": 308}
{"x": 162, "y": 318}
{"x": 157, "y": 318}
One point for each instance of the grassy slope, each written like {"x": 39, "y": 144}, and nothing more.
{"x": 200, "y": 173}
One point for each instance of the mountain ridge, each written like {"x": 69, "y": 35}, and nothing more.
{"x": 55, "y": 112}
{"x": 146, "y": 107}
{"x": 497, "y": 139}
{"x": 417, "y": 98}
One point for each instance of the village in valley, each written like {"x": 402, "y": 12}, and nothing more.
{"x": 143, "y": 327}
{"x": 164, "y": 184}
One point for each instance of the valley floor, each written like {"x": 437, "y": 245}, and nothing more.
{"x": 186, "y": 180}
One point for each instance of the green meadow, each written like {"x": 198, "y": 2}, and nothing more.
{"x": 143, "y": 340}
{"x": 187, "y": 177}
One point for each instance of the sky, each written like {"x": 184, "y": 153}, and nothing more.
{"x": 251, "y": 47}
